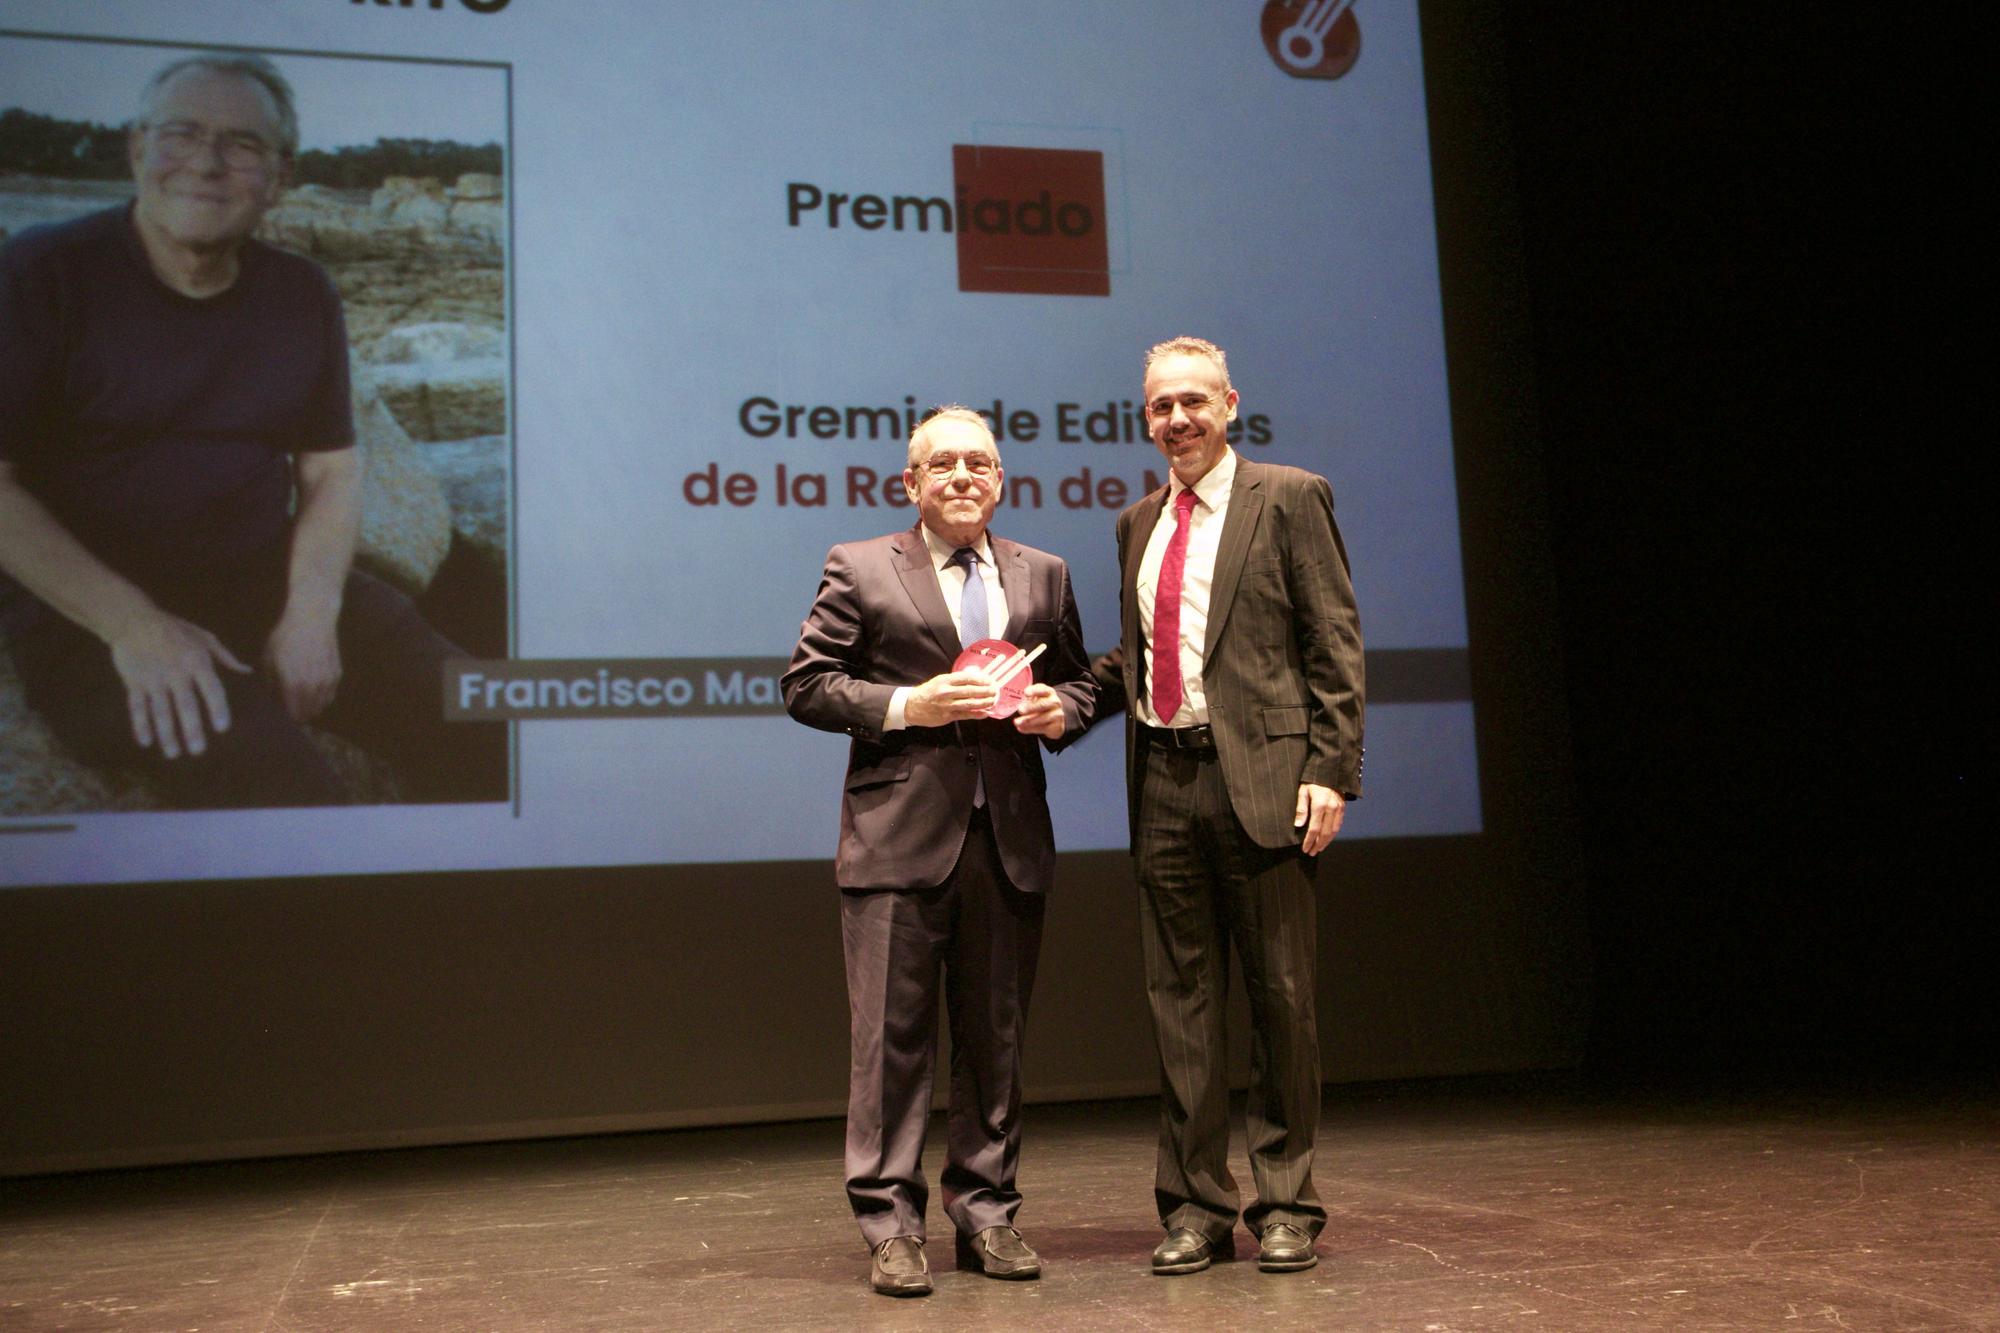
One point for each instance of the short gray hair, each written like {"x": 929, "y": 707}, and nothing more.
{"x": 1190, "y": 346}
{"x": 243, "y": 65}
{"x": 949, "y": 412}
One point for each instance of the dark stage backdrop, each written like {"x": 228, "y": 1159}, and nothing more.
{"x": 598, "y": 286}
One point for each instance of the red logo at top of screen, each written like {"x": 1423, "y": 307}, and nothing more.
{"x": 1312, "y": 39}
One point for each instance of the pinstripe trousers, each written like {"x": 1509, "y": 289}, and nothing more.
{"x": 1205, "y": 885}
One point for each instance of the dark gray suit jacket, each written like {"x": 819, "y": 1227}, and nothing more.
{"x": 1281, "y": 669}
{"x": 878, "y": 622}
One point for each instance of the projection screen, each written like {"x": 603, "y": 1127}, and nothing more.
{"x": 643, "y": 298}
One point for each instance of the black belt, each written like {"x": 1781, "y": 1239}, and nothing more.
{"x": 1181, "y": 738}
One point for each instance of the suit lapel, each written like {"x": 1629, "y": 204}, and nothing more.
{"x": 913, "y": 566}
{"x": 1013, "y": 568}
{"x": 1246, "y": 505}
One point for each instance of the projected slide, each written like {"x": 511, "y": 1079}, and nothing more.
{"x": 640, "y": 302}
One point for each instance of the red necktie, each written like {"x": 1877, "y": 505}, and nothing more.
{"x": 1167, "y": 615}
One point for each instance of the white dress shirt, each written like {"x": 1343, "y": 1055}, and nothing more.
{"x": 1197, "y": 578}
{"x": 951, "y": 582}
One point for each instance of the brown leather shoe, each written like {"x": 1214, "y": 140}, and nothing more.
{"x": 998, "y": 1252}
{"x": 898, "y": 1268}
{"x": 1285, "y": 1249}
{"x": 1186, "y": 1250}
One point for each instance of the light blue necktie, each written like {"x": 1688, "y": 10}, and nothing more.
{"x": 972, "y": 620}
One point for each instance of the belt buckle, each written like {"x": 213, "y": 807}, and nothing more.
{"x": 1195, "y": 738}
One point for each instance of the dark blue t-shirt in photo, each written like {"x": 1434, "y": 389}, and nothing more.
{"x": 156, "y": 427}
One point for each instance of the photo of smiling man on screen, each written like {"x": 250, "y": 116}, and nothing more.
{"x": 180, "y": 492}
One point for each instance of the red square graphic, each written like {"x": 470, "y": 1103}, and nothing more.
{"x": 1030, "y": 220}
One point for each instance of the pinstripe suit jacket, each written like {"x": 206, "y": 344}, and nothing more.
{"x": 1281, "y": 669}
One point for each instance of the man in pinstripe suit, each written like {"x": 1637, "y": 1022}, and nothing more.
{"x": 1239, "y": 666}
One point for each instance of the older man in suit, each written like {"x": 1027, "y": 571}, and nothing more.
{"x": 1239, "y": 667}
{"x": 946, "y": 852}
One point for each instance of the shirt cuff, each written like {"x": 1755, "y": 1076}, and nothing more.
{"x": 897, "y": 702}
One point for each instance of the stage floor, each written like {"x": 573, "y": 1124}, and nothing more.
{"x": 1538, "y": 1203}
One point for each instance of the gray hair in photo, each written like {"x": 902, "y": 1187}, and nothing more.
{"x": 244, "y": 65}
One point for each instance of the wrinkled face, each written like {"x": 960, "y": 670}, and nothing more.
{"x": 1188, "y": 411}
{"x": 207, "y": 160}
{"x": 955, "y": 484}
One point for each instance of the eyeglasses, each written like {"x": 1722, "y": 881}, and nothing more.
{"x": 183, "y": 141}
{"x": 1190, "y": 403}
{"x": 942, "y": 466}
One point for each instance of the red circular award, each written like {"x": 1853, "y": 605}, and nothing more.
{"x": 1001, "y": 661}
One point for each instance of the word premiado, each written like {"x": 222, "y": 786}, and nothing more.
{"x": 1119, "y": 421}
{"x": 1040, "y": 215}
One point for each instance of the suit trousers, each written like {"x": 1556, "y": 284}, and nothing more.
{"x": 984, "y": 935}
{"x": 1205, "y": 885}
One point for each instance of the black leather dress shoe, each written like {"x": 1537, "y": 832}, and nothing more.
{"x": 898, "y": 1268}
{"x": 1285, "y": 1249}
{"x": 1188, "y": 1251}
{"x": 998, "y": 1252}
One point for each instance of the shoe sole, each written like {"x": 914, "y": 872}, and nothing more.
{"x": 1287, "y": 1265}
{"x": 1175, "y": 1270}
{"x": 911, "y": 1290}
